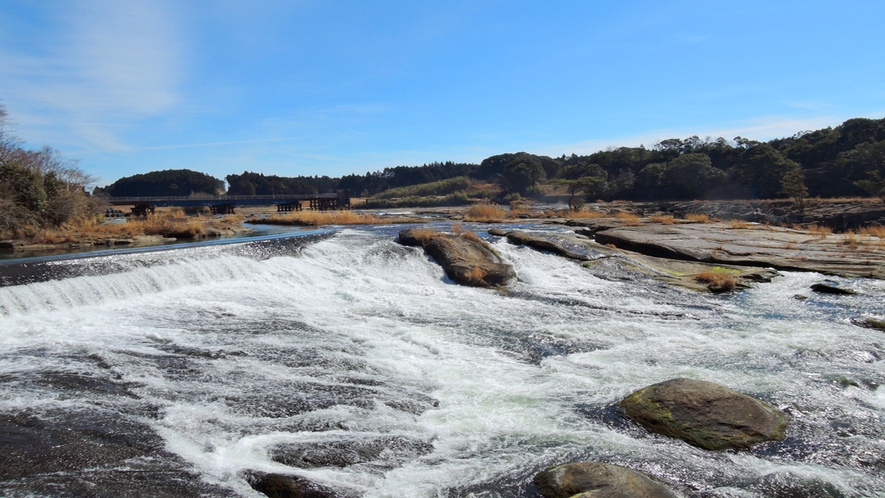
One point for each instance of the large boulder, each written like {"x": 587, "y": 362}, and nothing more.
{"x": 598, "y": 480}
{"x": 705, "y": 414}
{"x": 466, "y": 258}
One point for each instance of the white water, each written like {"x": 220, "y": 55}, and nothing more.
{"x": 356, "y": 339}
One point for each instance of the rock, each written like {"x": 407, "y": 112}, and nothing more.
{"x": 283, "y": 486}
{"x": 7, "y": 245}
{"x": 832, "y": 289}
{"x": 546, "y": 243}
{"x": 383, "y": 452}
{"x": 467, "y": 260}
{"x": 598, "y": 480}
{"x": 705, "y": 414}
{"x": 869, "y": 323}
{"x": 758, "y": 245}
{"x": 497, "y": 232}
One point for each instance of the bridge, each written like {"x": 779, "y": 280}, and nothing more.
{"x": 225, "y": 204}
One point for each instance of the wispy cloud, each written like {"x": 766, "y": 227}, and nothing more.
{"x": 215, "y": 144}
{"x": 99, "y": 67}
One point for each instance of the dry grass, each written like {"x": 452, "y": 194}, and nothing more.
{"x": 873, "y": 231}
{"x": 628, "y": 219}
{"x": 476, "y": 275}
{"x": 663, "y": 219}
{"x": 485, "y": 212}
{"x": 589, "y": 214}
{"x": 318, "y": 218}
{"x": 739, "y": 224}
{"x": 820, "y": 231}
{"x": 716, "y": 281}
{"x": 697, "y": 217}
{"x": 471, "y": 236}
{"x": 850, "y": 239}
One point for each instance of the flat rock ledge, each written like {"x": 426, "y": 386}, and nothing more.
{"x": 705, "y": 414}
{"x": 749, "y": 245}
{"x": 598, "y": 480}
{"x": 466, "y": 259}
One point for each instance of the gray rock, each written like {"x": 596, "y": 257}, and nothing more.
{"x": 545, "y": 243}
{"x": 869, "y": 323}
{"x": 598, "y": 480}
{"x": 705, "y": 414}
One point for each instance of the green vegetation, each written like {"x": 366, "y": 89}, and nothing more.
{"x": 39, "y": 189}
{"x": 170, "y": 182}
{"x": 259, "y": 184}
{"x": 439, "y": 188}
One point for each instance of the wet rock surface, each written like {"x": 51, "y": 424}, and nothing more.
{"x": 283, "y": 486}
{"x": 466, "y": 260}
{"x": 598, "y": 480}
{"x": 554, "y": 244}
{"x": 705, "y": 414}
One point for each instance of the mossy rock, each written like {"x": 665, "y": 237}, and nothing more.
{"x": 705, "y": 414}
{"x": 598, "y": 480}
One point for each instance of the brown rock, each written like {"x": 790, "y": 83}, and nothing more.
{"x": 466, "y": 259}
{"x": 598, "y": 480}
{"x": 705, "y": 414}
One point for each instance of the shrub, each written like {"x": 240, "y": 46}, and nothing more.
{"x": 717, "y": 281}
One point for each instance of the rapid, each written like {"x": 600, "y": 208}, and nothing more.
{"x": 351, "y": 361}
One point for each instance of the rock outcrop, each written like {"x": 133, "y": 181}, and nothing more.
{"x": 752, "y": 245}
{"x": 598, "y": 480}
{"x": 466, "y": 259}
{"x": 547, "y": 243}
{"x": 705, "y": 414}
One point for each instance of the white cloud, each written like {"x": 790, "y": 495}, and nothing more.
{"x": 101, "y": 66}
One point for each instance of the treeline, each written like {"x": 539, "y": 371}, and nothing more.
{"x": 170, "y": 182}
{"x": 259, "y": 184}
{"x": 39, "y": 189}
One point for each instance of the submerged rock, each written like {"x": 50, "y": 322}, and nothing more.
{"x": 467, "y": 260}
{"x": 283, "y": 486}
{"x": 832, "y": 289}
{"x": 598, "y": 480}
{"x": 869, "y": 323}
{"x": 705, "y": 414}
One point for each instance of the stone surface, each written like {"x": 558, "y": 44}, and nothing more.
{"x": 753, "y": 245}
{"x": 598, "y": 480}
{"x": 705, "y": 414}
{"x": 466, "y": 260}
{"x": 551, "y": 243}
{"x": 869, "y": 323}
{"x": 283, "y": 486}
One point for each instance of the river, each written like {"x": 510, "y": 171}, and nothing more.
{"x": 349, "y": 360}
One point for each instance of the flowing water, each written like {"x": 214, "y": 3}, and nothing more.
{"x": 351, "y": 361}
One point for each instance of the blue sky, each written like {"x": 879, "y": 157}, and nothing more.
{"x": 337, "y": 87}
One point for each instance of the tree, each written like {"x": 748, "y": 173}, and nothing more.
{"x": 520, "y": 177}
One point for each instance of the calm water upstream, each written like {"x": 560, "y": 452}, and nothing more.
{"x": 351, "y": 361}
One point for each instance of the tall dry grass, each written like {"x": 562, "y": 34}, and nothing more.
{"x": 318, "y": 218}
{"x": 697, "y": 217}
{"x": 485, "y": 212}
{"x": 585, "y": 214}
{"x": 628, "y": 218}
{"x": 663, "y": 219}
